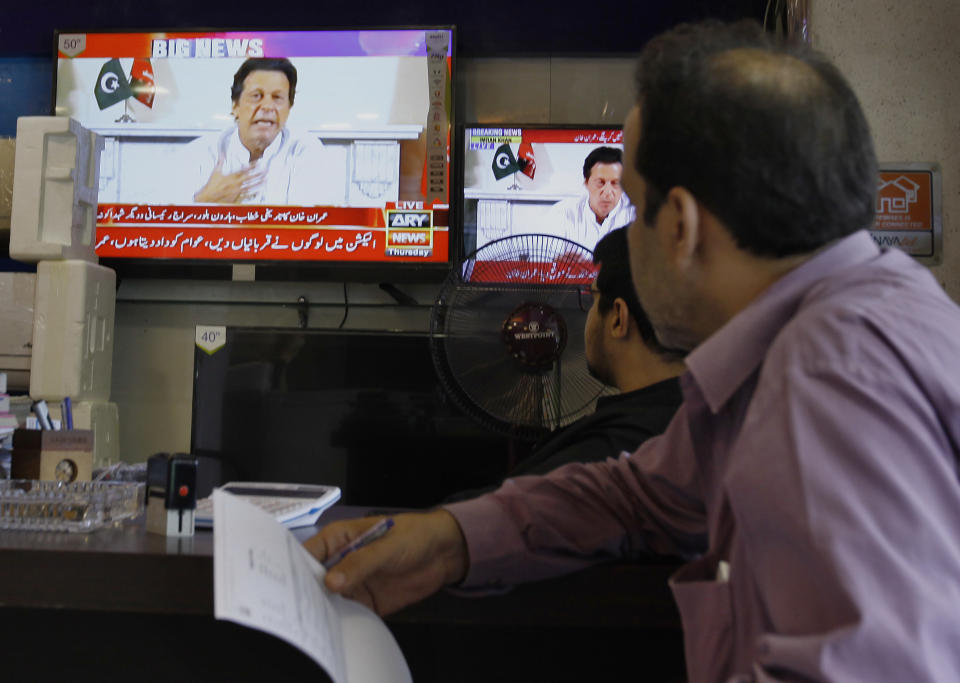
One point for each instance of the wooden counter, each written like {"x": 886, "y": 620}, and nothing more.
{"x": 121, "y": 598}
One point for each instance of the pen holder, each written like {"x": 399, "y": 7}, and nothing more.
{"x": 64, "y": 455}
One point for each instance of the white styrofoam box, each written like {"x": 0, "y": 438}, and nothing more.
{"x": 16, "y": 328}
{"x": 16, "y": 313}
{"x": 73, "y": 331}
{"x": 104, "y": 419}
{"x": 55, "y": 185}
{"x": 8, "y": 151}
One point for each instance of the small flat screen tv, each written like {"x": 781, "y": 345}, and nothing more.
{"x": 211, "y": 157}
{"x": 519, "y": 178}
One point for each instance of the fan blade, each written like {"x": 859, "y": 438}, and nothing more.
{"x": 502, "y": 390}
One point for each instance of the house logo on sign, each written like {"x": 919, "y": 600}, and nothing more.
{"x": 896, "y": 196}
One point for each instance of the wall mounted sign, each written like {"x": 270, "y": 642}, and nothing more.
{"x": 909, "y": 210}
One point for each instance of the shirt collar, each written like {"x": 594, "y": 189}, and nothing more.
{"x": 237, "y": 151}
{"x": 275, "y": 146}
{"x": 590, "y": 218}
{"x": 656, "y": 392}
{"x": 722, "y": 363}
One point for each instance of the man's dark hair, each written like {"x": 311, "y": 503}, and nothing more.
{"x": 601, "y": 155}
{"x": 264, "y": 64}
{"x": 765, "y": 133}
{"x": 614, "y": 282}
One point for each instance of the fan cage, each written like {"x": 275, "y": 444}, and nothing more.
{"x": 468, "y": 314}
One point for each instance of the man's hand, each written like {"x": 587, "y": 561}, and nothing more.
{"x": 229, "y": 188}
{"x": 421, "y": 553}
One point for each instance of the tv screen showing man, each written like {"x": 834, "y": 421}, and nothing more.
{"x": 261, "y": 145}
{"x": 603, "y": 208}
{"x": 258, "y": 160}
{"x": 562, "y": 181}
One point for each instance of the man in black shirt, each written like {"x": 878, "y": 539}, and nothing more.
{"x": 623, "y": 352}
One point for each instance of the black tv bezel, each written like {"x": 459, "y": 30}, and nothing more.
{"x": 287, "y": 271}
{"x": 460, "y": 159}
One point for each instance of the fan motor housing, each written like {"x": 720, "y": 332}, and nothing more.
{"x": 535, "y": 334}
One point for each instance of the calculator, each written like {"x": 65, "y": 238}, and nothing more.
{"x": 293, "y": 505}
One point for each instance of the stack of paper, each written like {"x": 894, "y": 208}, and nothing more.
{"x": 265, "y": 579}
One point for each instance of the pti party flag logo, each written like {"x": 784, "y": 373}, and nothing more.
{"x": 504, "y": 162}
{"x": 142, "y": 83}
{"x": 112, "y": 86}
{"x": 526, "y": 160}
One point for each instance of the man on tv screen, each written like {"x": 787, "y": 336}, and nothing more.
{"x": 259, "y": 160}
{"x": 602, "y": 209}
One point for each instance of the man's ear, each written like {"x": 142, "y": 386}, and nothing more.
{"x": 681, "y": 227}
{"x": 618, "y": 320}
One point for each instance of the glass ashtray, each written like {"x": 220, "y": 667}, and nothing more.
{"x": 79, "y": 506}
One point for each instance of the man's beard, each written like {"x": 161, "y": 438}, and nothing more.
{"x": 598, "y": 374}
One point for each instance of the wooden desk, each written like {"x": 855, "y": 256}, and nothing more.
{"x": 122, "y": 601}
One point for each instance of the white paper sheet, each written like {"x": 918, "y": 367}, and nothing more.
{"x": 265, "y": 579}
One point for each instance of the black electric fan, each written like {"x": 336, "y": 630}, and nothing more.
{"x": 506, "y": 334}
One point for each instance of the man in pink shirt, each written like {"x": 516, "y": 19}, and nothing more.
{"x": 811, "y": 475}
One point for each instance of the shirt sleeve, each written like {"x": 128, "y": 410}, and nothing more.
{"x": 541, "y": 526}
{"x": 196, "y": 162}
{"x": 559, "y": 220}
{"x": 604, "y": 440}
{"x": 317, "y": 176}
{"x": 848, "y": 511}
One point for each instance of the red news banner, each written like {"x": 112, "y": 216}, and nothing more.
{"x": 274, "y": 233}
{"x": 563, "y": 271}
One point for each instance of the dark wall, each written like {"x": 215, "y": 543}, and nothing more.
{"x": 486, "y": 27}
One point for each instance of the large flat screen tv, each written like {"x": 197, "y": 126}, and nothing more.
{"x": 214, "y": 155}
{"x": 539, "y": 178}
{"x": 364, "y": 411}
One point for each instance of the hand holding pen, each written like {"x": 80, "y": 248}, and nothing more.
{"x": 367, "y": 537}
{"x": 422, "y": 553}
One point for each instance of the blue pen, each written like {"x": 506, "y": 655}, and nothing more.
{"x": 367, "y": 537}
{"x": 67, "y": 412}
